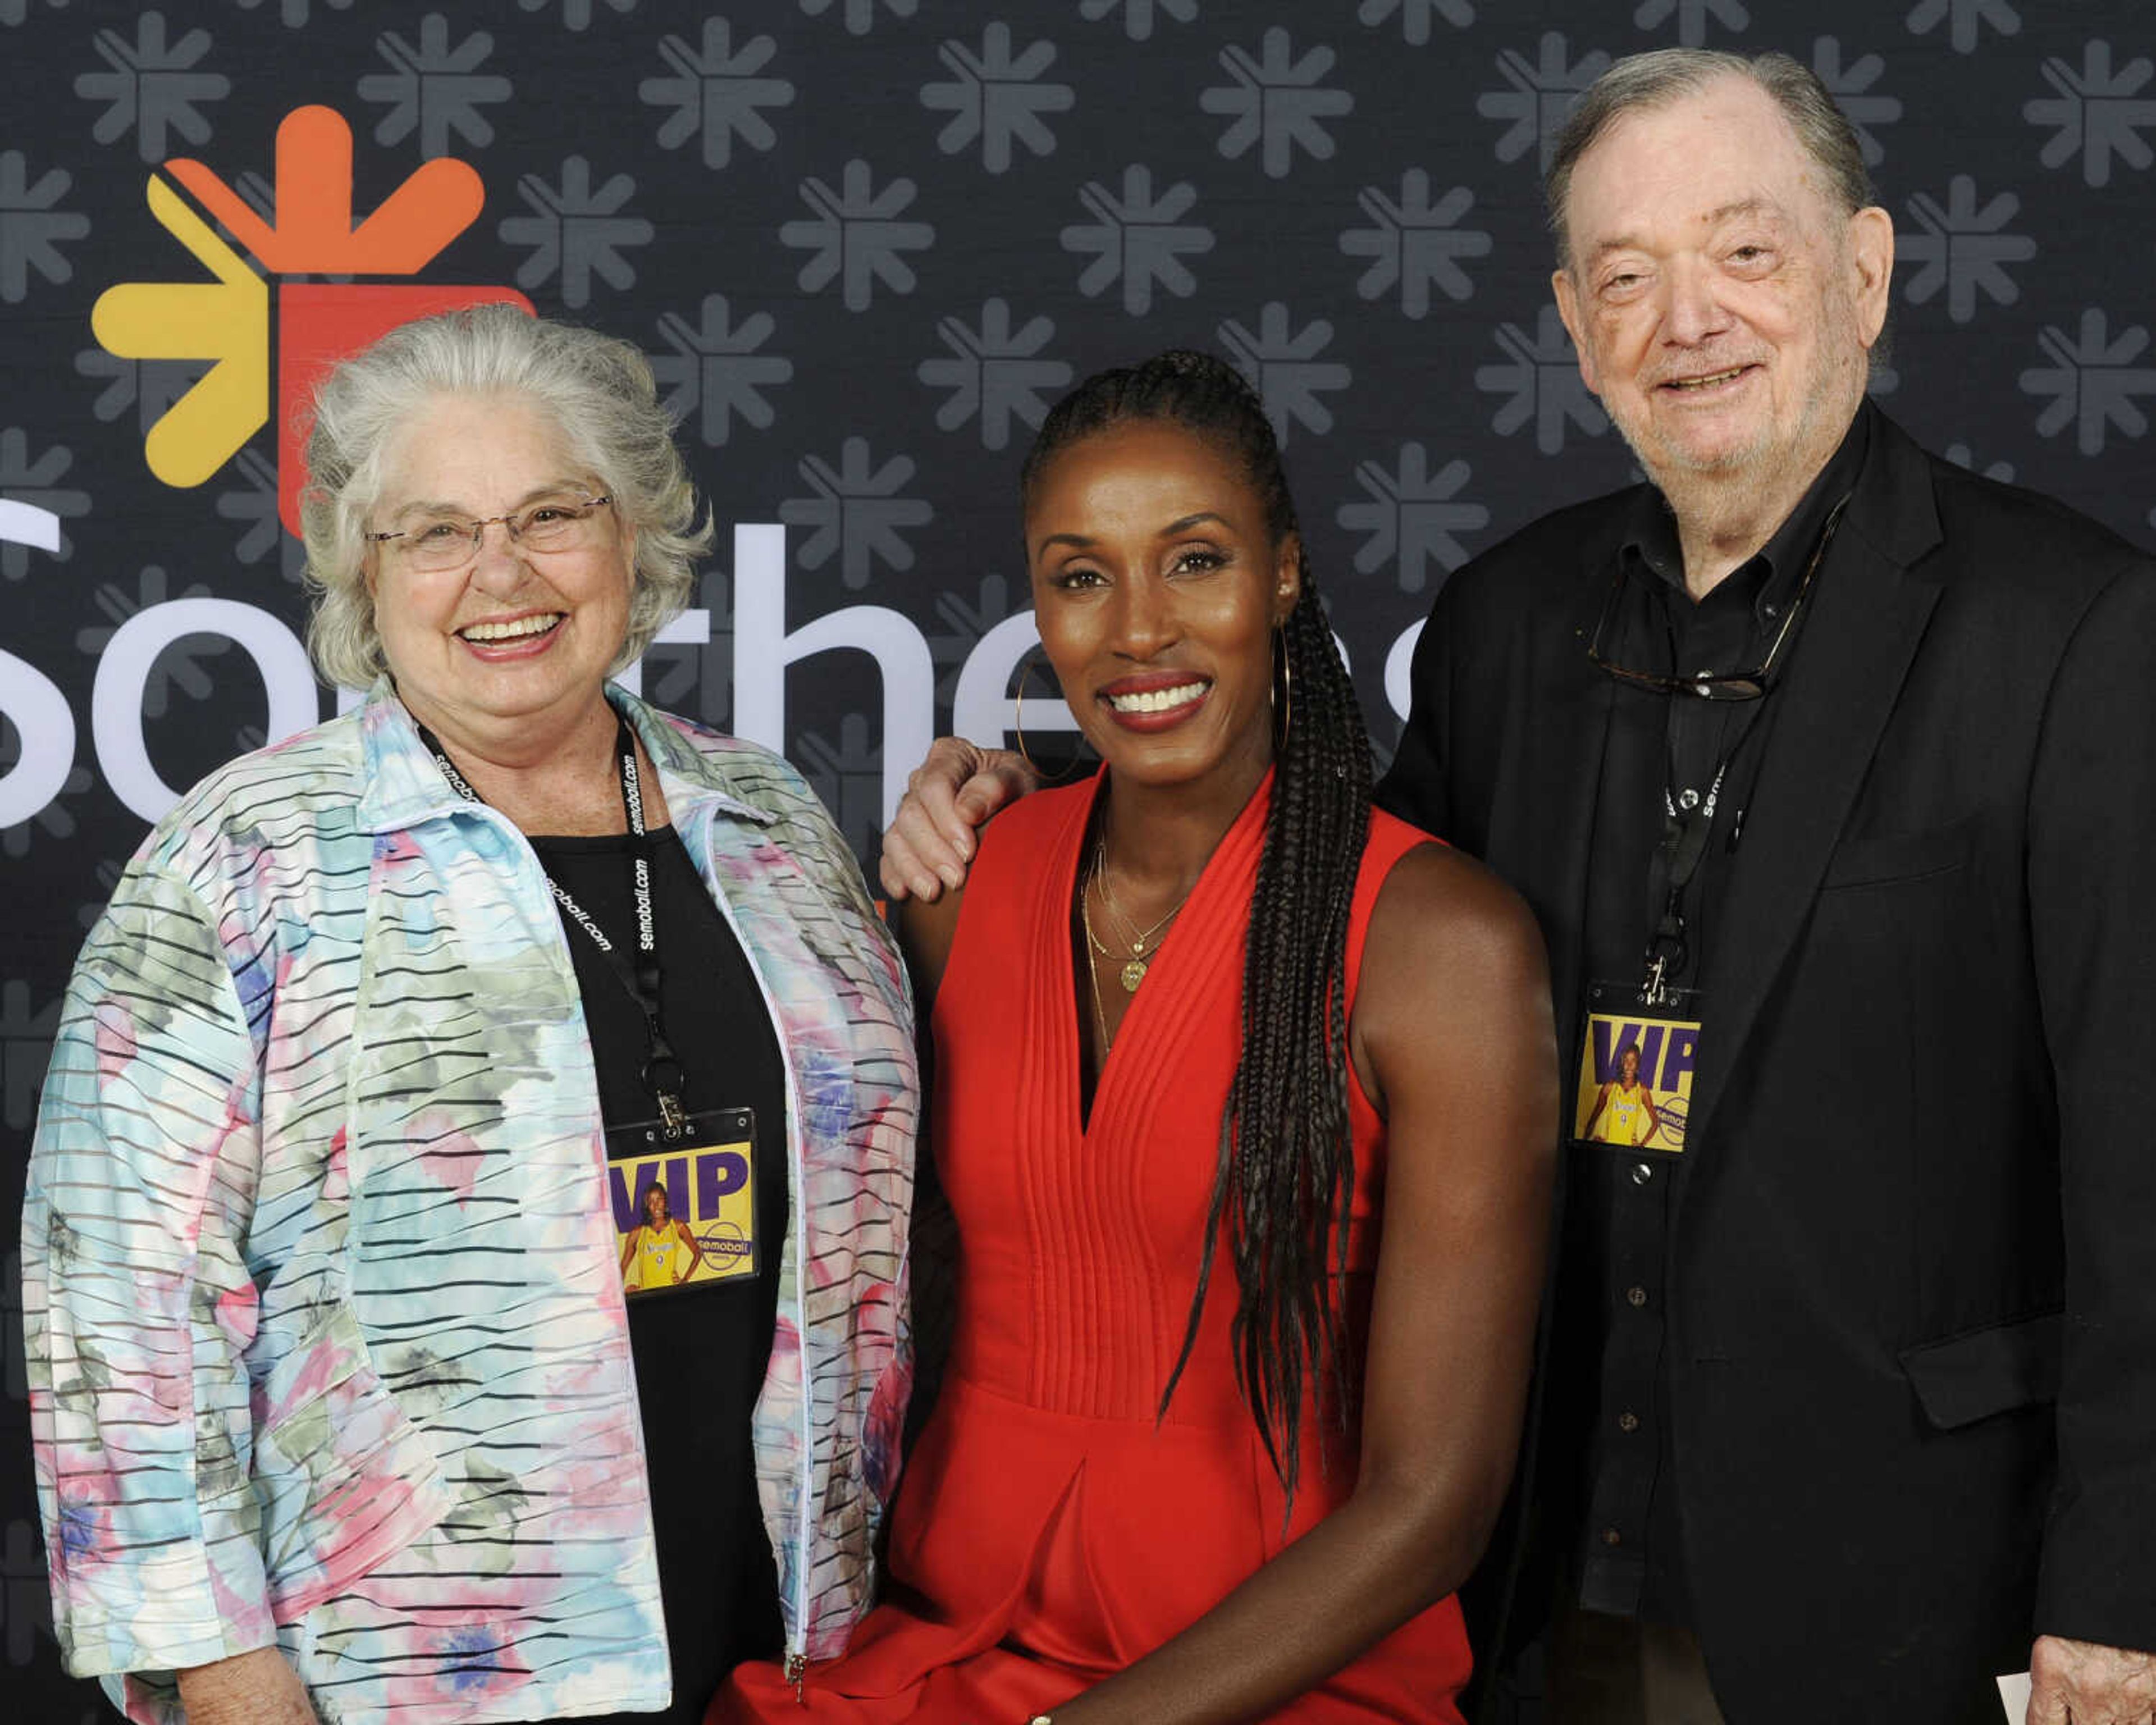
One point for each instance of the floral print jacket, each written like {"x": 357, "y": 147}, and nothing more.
{"x": 329, "y": 1348}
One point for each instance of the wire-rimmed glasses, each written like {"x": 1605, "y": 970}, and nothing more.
{"x": 439, "y": 543}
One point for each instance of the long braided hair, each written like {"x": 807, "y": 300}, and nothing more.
{"x": 1285, "y": 1175}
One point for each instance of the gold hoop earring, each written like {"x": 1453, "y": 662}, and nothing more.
{"x": 1283, "y": 690}
{"x": 1018, "y": 726}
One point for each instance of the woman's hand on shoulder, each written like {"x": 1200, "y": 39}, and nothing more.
{"x": 929, "y": 841}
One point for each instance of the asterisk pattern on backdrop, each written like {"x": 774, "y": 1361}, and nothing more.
{"x": 866, "y": 244}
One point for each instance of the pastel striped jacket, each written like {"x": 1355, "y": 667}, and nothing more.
{"x": 328, "y": 1345}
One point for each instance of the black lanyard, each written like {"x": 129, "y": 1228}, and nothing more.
{"x": 1685, "y": 831}
{"x": 1678, "y": 859}
{"x": 639, "y": 975}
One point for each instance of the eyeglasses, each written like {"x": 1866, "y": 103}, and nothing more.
{"x": 447, "y": 543}
{"x": 1714, "y": 686}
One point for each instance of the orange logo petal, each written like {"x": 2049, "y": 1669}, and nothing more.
{"x": 313, "y": 233}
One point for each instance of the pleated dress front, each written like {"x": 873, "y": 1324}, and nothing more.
{"x": 1052, "y": 1528}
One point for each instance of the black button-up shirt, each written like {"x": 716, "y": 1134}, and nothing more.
{"x": 1611, "y": 1378}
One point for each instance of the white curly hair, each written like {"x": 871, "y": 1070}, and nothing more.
{"x": 598, "y": 389}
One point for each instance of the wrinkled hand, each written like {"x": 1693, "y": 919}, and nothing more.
{"x": 257, "y": 1688}
{"x": 929, "y": 841}
{"x": 2080, "y": 1683}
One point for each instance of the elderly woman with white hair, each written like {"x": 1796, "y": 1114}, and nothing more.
{"x": 352, "y": 1400}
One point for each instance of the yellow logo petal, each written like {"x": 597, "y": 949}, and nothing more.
{"x": 227, "y": 320}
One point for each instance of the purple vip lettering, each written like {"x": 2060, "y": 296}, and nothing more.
{"x": 1673, "y": 1049}
{"x": 1677, "y": 1063}
{"x": 671, "y": 1177}
{"x": 718, "y": 1172}
{"x": 1613, "y": 1036}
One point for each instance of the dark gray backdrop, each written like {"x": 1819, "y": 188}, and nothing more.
{"x": 867, "y": 243}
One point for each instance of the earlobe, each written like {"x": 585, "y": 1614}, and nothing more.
{"x": 1287, "y": 566}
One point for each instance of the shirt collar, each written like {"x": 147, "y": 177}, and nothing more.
{"x": 1762, "y": 580}
{"x": 404, "y": 787}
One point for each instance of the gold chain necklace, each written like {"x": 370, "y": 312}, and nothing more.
{"x": 1133, "y": 971}
{"x": 1093, "y": 973}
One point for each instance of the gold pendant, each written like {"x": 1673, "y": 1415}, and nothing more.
{"x": 1131, "y": 975}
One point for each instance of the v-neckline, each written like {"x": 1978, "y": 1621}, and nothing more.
{"x": 1143, "y": 1002}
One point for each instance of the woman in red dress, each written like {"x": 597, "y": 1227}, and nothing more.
{"x": 1244, "y": 1103}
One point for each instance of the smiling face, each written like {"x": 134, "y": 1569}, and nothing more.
{"x": 1628, "y": 1065}
{"x": 511, "y": 642}
{"x": 1723, "y": 307}
{"x": 655, "y": 1209}
{"x": 1156, "y": 584}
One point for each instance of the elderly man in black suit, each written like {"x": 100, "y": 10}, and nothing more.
{"x": 1831, "y": 771}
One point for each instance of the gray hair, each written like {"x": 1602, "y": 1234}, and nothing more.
{"x": 1656, "y": 79}
{"x": 598, "y": 390}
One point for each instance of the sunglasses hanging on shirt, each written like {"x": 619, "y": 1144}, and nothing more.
{"x": 1714, "y": 686}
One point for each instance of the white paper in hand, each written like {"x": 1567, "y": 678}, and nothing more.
{"x": 2014, "y": 1696}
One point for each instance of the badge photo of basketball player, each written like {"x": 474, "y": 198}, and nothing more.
{"x": 651, "y": 1253}
{"x": 1625, "y": 1112}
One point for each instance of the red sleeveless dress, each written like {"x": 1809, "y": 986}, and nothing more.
{"x": 1051, "y": 1530}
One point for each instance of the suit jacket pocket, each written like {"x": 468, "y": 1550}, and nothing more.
{"x": 346, "y": 1480}
{"x": 1972, "y": 1376}
{"x": 1896, "y": 857}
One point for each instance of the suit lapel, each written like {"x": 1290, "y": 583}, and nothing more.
{"x": 1557, "y": 734}
{"x": 1869, "y": 614}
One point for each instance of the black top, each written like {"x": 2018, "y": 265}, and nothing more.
{"x": 1609, "y": 1379}
{"x": 700, "y": 1352}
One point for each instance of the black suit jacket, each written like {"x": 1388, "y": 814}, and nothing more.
{"x": 1911, "y": 1345}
